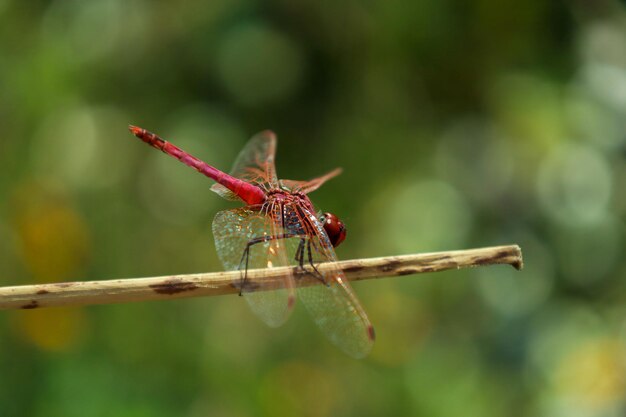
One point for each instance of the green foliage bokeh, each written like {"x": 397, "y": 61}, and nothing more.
{"x": 457, "y": 124}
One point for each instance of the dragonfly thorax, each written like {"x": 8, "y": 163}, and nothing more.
{"x": 334, "y": 228}
{"x": 289, "y": 197}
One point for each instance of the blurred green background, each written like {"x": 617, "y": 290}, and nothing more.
{"x": 458, "y": 124}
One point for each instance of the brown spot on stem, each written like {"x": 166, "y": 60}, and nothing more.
{"x": 505, "y": 257}
{"x": 41, "y": 292}
{"x": 31, "y": 305}
{"x": 390, "y": 266}
{"x": 483, "y": 261}
{"x": 245, "y": 286}
{"x": 445, "y": 259}
{"x": 496, "y": 258}
{"x": 353, "y": 269}
{"x": 173, "y": 286}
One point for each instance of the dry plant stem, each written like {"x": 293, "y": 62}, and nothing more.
{"x": 220, "y": 283}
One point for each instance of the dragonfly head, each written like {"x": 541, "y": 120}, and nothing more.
{"x": 334, "y": 228}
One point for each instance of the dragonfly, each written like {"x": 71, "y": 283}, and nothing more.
{"x": 278, "y": 226}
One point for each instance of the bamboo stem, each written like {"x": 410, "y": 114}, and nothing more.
{"x": 220, "y": 283}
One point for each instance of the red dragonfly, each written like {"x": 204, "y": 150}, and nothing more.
{"x": 279, "y": 227}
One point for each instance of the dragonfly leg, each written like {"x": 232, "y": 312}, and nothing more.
{"x": 246, "y": 254}
{"x": 317, "y": 273}
{"x": 244, "y": 279}
{"x": 299, "y": 258}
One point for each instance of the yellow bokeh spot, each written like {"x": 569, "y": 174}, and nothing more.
{"x": 594, "y": 374}
{"x": 52, "y": 329}
{"x": 53, "y": 237}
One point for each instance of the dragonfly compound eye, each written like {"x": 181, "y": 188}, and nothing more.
{"x": 334, "y": 228}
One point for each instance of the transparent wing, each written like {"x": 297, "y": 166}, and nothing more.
{"x": 255, "y": 164}
{"x": 333, "y": 305}
{"x": 245, "y": 235}
{"x": 312, "y": 185}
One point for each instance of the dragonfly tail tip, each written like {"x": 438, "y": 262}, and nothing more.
{"x": 134, "y": 130}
